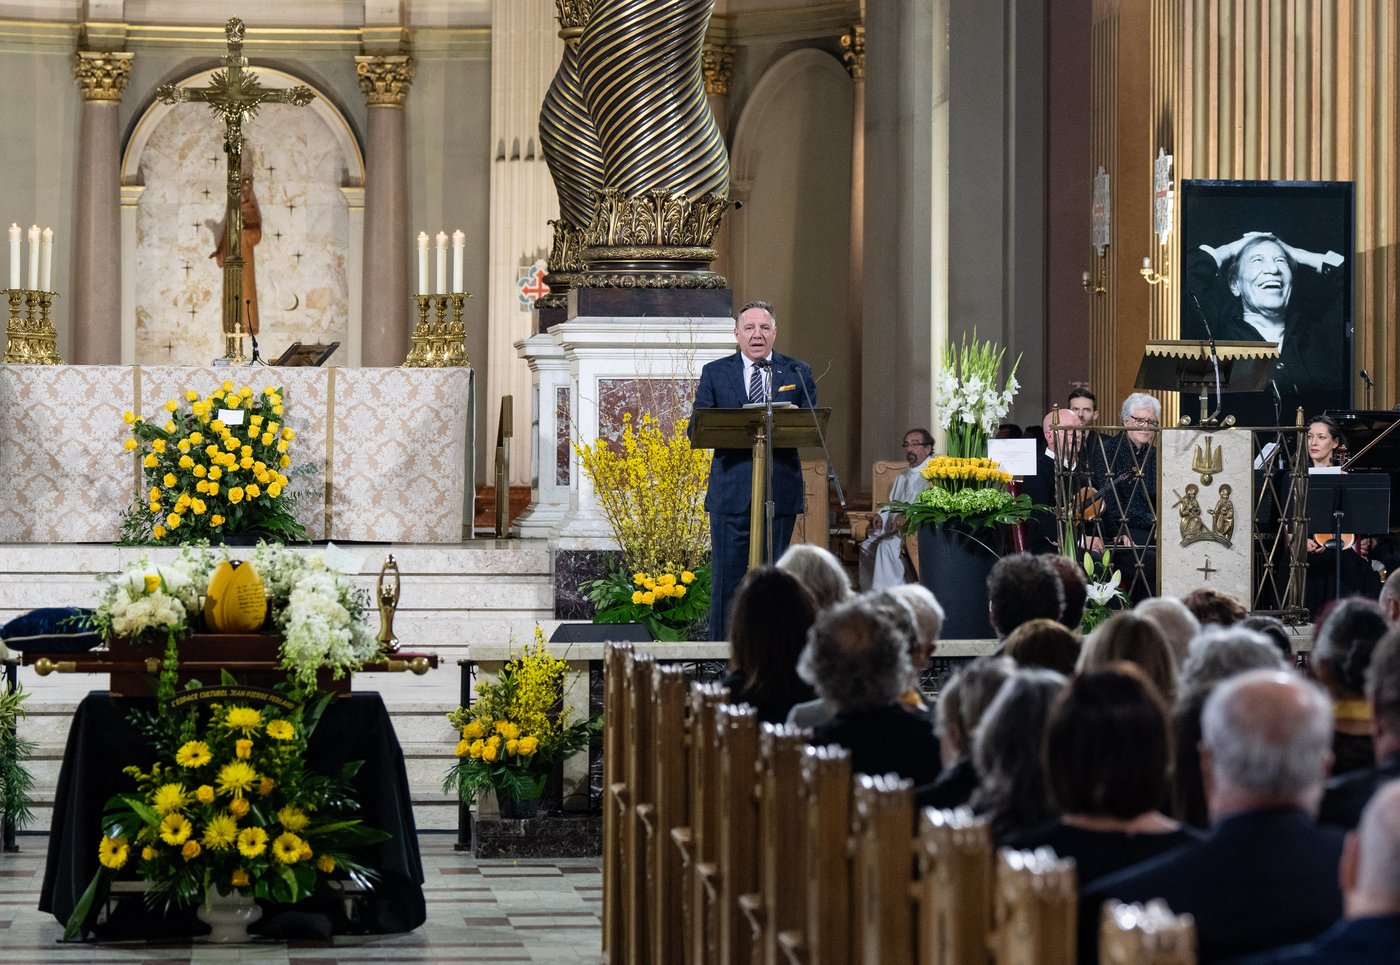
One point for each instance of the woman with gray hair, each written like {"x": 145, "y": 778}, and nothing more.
{"x": 1006, "y": 751}
{"x": 820, "y": 572}
{"x": 1177, "y": 623}
{"x": 961, "y": 704}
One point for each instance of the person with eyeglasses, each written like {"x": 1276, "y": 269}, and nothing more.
{"x": 1123, "y": 473}
{"x": 882, "y": 564}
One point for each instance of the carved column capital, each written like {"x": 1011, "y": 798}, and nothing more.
{"x": 853, "y": 50}
{"x": 102, "y": 75}
{"x": 717, "y": 64}
{"x": 385, "y": 78}
{"x": 573, "y": 17}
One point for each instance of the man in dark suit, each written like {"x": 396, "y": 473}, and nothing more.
{"x": 750, "y": 375}
{"x": 1370, "y": 874}
{"x": 1060, "y": 430}
{"x": 1348, "y": 793}
{"x": 1266, "y": 874}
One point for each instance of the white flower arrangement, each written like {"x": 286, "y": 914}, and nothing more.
{"x": 323, "y": 624}
{"x": 970, "y": 407}
{"x": 153, "y": 601}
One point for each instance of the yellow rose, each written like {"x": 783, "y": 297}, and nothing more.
{"x": 129, "y": 417}
{"x": 285, "y": 461}
{"x": 512, "y": 746}
{"x": 490, "y": 752}
{"x": 639, "y": 578}
{"x": 245, "y": 392}
{"x": 158, "y": 531}
{"x": 186, "y": 462}
{"x": 155, "y": 507}
{"x": 216, "y": 520}
{"x": 476, "y": 749}
{"x": 473, "y": 730}
{"x": 276, "y": 410}
{"x": 215, "y": 472}
{"x": 172, "y": 521}
{"x": 197, "y": 507}
{"x": 149, "y": 853}
{"x": 169, "y": 480}
{"x": 211, "y": 489}
{"x": 265, "y": 786}
{"x": 227, "y": 386}
{"x": 169, "y": 427}
{"x": 636, "y": 596}
{"x": 171, "y": 405}
{"x": 200, "y": 472}
{"x": 325, "y": 864}
{"x": 266, "y": 439}
{"x": 239, "y": 878}
{"x": 527, "y": 746}
{"x": 235, "y": 495}
{"x": 288, "y": 434}
{"x": 238, "y": 807}
{"x": 196, "y": 438}
{"x": 678, "y": 591}
{"x": 129, "y": 445}
{"x": 243, "y": 748}
{"x": 191, "y": 850}
{"x": 274, "y": 490}
{"x": 204, "y": 794}
{"x": 648, "y": 598}
{"x": 150, "y": 461}
{"x": 252, "y": 492}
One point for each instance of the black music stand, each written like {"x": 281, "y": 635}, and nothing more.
{"x": 1358, "y": 503}
{"x": 1193, "y": 365}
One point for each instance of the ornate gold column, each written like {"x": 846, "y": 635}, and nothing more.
{"x": 385, "y": 80}
{"x": 96, "y": 275}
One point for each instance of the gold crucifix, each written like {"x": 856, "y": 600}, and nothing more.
{"x": 235, "y": 95}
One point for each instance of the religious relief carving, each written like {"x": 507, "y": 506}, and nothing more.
{"x": 853, "y": 50}
{"x": 102, "y": 75}
{"x": 385, "y": 78}
{"x": 717, "y": 64}
{"x": 1193, "y": 526}
{"x": 1223, "y": 515}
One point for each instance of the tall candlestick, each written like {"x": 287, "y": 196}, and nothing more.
{"x": 46, "y": 262}
{"x": 14, "y": 255}
{"x": 441, "y": 263}
{"x": 459, "y": 244}
{"x": 33, "y": 257}
{"x": 422, "y": 263}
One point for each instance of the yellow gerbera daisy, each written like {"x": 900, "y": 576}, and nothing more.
{"x": 193, "y": 754}
{"x": 287, "y": 848}
{"x": 252, "y": 842}
{"x": 235, "y": 777}
{"x": 175, "y": 829}
{"x": 221, "y": 832}
{"x": 112, "y": 852}
{"x": 280, "y": 730}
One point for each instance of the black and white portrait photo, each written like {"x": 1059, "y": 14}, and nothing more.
{"x": 1272, "y": 261}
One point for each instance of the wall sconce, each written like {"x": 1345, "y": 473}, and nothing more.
{"x": 1153, "y": 277}
{"x": 1090, "y": 288}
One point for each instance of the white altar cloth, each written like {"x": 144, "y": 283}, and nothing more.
{"x": 389, "y": 451}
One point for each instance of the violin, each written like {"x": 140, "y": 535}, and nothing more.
{"x": 1328, "y": 540}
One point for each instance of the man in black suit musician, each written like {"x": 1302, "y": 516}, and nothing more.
{"x": 750, "y": 376}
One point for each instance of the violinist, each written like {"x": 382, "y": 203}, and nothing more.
{"x": 1060, "y": 429}
{"x": 1123, "y": 472}
{"x": 1326, "y": 451}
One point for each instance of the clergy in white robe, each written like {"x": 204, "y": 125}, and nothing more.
{"x": 882, "y": 563}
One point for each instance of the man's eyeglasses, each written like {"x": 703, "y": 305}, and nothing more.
{"x": 918, "y": 445}
{"x": 1144, "y": 423}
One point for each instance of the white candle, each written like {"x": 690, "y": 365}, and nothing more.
{"x": 459, "y": 245}
{"x": 1147, "y": 263}
{"x": 442, "y": 263}
{"x": 422, "y": 263}
{"x": 14, "y": 255}
{"x": 1084, "y": 278}
{"x": 33, "y": 257}
{"x": 46, "y": 262}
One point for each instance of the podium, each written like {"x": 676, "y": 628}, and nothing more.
{"x": 1182, "y": 366}
{"x": 748, "y": 428}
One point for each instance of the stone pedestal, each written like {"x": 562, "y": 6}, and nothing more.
{"x": 551, "y": 454}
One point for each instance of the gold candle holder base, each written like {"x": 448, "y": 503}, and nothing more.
{"x": 441, "y": 343}
{"x": 31, "y": 338}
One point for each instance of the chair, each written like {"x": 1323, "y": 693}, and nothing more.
{"x": 669, "y": 810}
{"x": 955, "y": 887}
{"x": 735, "y": 871}
{"x": 883, "y": 869}
{"x": 814, "y": 524}
{"x": 883, "y": 473}
{"x": 777, "y": 906}
{"x": 698, "y": 842}
{"x": 615, "y": 657}
{"x": 1036, "y": 903}
{"x": 824, "y": 811}
{"x": 1146, "y": 935}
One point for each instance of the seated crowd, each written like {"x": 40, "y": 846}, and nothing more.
{"x": 1173, "y": 753}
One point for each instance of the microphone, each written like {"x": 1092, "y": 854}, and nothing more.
{"x": 1214, "y": 358}
{"x": 830, "y": 466}
{"x": 1365, "y": 377}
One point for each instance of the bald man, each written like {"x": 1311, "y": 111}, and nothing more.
{"x": 1060, "y": 429}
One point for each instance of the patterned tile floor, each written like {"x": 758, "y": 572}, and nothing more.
{"x": 478, "y": 911}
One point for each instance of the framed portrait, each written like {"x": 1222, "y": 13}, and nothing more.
{"x": 1272, "y": 261}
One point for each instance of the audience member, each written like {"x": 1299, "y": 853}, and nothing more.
{"x": 1216, "y": 655}
{"x": 1044, "y": 643}
{"x": 1273, "y": 628}
{"x": 857, "y": 658}
{"x": 1390, "y": 601}
{"x": 1370, "y": 878}
{"x": 1179, "y": 625}
{"x": 1342, "y": 651}
{"x": 1211, "y": 606}
{"x": 1075, "y": 588}
{"x": 1106, "y": 755}
{"x": 961, "y": 704}
{"x": 1021, "y": 587}
{"x": 767, "y": 631}
{"x": 1135, "y": 639}
{"x": 1006, "y": 752}
{"x": 1266, "y": 874}
{"x": 820, "y": 572}
{"x": 1347, "y": 795}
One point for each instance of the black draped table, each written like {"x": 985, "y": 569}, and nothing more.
{"x": 102, "y": 741}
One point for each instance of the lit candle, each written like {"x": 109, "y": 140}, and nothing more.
{"x": 459, "y": 246}
{"x": 442, "y": 263}
{"x": 33, "y": 257}
{"x": 14, "y": 255}
{"x": 46, "y": 262}
{"x": 422, "y": 263}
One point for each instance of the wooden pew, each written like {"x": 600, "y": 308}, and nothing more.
{"x": 824, "y": 810}
{"x": 698, "y": 842}
{"x": 1146, "y": 935}
{"x": 1036, "y": 903}
{"x": 615, "y": 658}
{"x": 668, "y": 811}
{"x": 636, "y": 800}
{"x": 955, "y": 887}
{"x": 734, "y": 871}
{"x": 778, "y": 904}
{"x": 883, "y": 870}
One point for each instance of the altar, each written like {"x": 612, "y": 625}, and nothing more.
{"x": 381, "y": 454}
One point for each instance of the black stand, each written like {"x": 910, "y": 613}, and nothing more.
{"x": 1356, "y": 503}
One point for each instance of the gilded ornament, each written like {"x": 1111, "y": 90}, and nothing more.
{"x": 566, "y": 249}
{"x": 656, "y": 217}
{"x": 717, "y": 65}
{"x": 853, "y": 50}
{"x": 102, "y": 75}
{"x": 573, "y": 16}
{"x": 385, "y": 78}
{"x": 1208, "y": 462}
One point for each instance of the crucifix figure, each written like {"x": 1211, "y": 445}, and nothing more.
{"x": 235, "y": 95}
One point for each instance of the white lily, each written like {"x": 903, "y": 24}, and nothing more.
{"x": 1102, "y": 593}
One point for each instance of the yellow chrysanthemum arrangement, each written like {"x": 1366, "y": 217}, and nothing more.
{"x": 651, "y": 488}
{"x": 516, "y": 729}
{"x": 217, "y": 465}
{"x": 232, "y": 807}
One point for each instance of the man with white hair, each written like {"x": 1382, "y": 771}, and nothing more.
{"x": 1370, "y": 877}
{"x": 1123, "y": 471}
{"x": 1266, "y": 873}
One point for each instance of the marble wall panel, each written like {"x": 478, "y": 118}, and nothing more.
{"x": 563, "y": 444}
{"x": 669, "y": 400}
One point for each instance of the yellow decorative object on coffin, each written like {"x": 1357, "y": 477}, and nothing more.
{"x": 236, "y": 601}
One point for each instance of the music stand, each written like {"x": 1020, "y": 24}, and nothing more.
{"x": 1359, "y": 501}
{"x": 747, "y": 428}
{"x": 307, "y": 355}
{"x": 1193, "y": 365}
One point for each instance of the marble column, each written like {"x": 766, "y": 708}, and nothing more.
{"x": 388, "y": 310}
{"x": 551, "y": 449}
{"x": 96, "y": 335}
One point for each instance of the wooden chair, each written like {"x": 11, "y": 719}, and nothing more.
{"x": 735, "y": 871}
{"x": 883, "y": 870}
{"x": 955, "y": 887}
{"x": 824, "y": 811}
{"x": 814, "y": 524}
{"x": 1036, "y": 903}
{"x": 777, "y": 905}
{"x": 883, "y": 473}
{"x": 698, "y": 842}
{"x": 669, "y": 811}
{"x": 636, "y": 800}
{"x": 615, "y": 657}
{"x": 1146, "y": 935}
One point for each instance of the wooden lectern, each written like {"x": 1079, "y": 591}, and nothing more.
{"x": 745, "y": 428}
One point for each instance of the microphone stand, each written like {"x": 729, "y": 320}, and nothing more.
{"x": 766, "y": 365}
{"x": 1370, "y": 384}
{"x": 831, "y": 475}
{"x": 1215, "y": 361}
{"x": 257, "y": 358}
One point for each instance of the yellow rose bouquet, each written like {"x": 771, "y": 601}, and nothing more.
{"x": 218, "y": 465}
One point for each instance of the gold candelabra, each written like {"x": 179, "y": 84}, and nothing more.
{"x": 32, "y": 339}
{"x": 441, "y": 343}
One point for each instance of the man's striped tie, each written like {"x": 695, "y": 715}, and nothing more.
{"x": 755, "y": 384}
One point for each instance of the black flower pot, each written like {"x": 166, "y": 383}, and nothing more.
{"x": 954, "y": 561}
